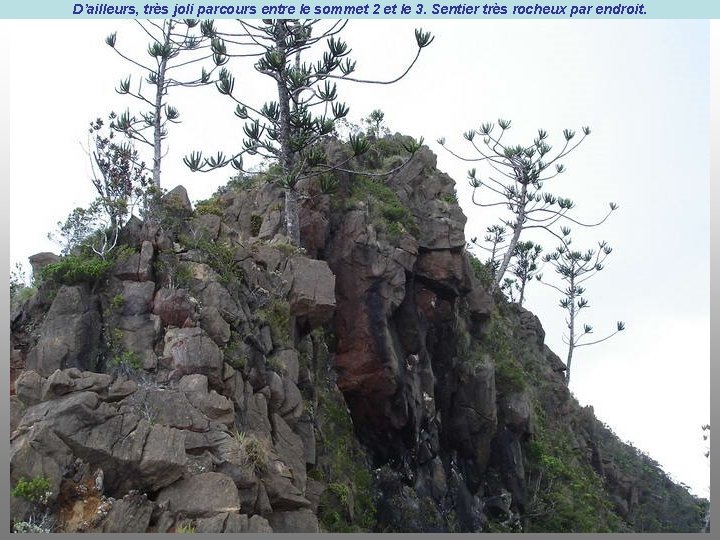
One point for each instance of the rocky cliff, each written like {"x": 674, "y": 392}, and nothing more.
{"x": 213, "y": 378}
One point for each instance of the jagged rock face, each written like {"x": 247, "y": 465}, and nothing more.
{"x": 70, "y": 334}
{"x": 397, "y": 323}
{"x": 221, "y": 380}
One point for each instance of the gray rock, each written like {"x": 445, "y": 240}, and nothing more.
{"x": 289, "y": 363}
{"x": 292, "y": 522}
{"x": 289, "y": 446}
{"x": 137, "y": 297}
{"x": 210, "y": 403}
{"x": 256, "y": 416}
{"x": 259, "y": 524}
{"x": 170, "y": 408}
{"x": 192, "y": 351}
{"x": 178, "y": 198}
{"x": 70, "y": 334}
{"x": 213, "y": 323}
{"x": 41, "y": 260}
{"x": 133, "y": 453}
{"x": 39, "y": 452}
{"x": 131, "y": 514}
{"x": 312, "y": 290}
{"x": 292, "y": 407}
{"x": 138, "y": 266}
{"x": 29, "y": 387}
{"x": 281, "y": 492}
{"x": 201, "y": 496}
{"x": 17, "y": 410}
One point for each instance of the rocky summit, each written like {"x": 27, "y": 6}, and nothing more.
{"x": 212, "y": 377}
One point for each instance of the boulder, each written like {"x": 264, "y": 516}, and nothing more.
{"x": 70, "y": 334}
{"x": 289, "y": 447}
{"x": 174, "y": 307}
{"x": 201, "y": 496}
{"x": 191, "y": 351}
{"x": 312, "y": 290}
{"x": 41, "y": 260}
{"x": 134, "y": 453}
{"x": 294, "y": 522}
{"x": 131, "y": 514}
{"x": 138, "y": 266}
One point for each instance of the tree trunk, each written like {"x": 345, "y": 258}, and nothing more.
{"x": 287, "y": 156}
{"x": 292, "y": 216}
{"x": 517, "y": 229}
{"x": 157, "y": 119}
{"x": 571, "y": 327}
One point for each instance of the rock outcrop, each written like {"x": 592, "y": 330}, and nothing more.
{"x": 218, "y": 379}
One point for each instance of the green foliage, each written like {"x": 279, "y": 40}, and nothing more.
{"x": 220, "y": 256}
{"x": 567, "y": 495}
{"x": 277, "y": 315}
{"x": 256, "y": 222}
{"x": 185, "y": 528}
{"x": 386, "y": 209}
{"x": 37, "y": 490}
{"x": 255, "y": 450}
{"x": 450, "y": 198}
{"x": 509, "y": 377}
{"x": 121, "y": 359}
{"x": 20, "y": 291}
{"x": 662, "y": 504}
{"x": 499, "y": 344}
{"x": 75, "y": 269}
{"x": 482, "y": 272}
{"x": 209, "y": 206}
{"x": 344, "y": 466}
{"x": 117, "y": 302}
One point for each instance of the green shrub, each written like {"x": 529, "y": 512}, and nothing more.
{"x": 482, "y": 272}
{"x": 209, "y": 206}
{"x": 121, "y": 359}
{"x": 566, "y": 494}
{"x": 386, "y": 209}
{"x": 185, "y": 528}
{"x": 117, "y": 302}
{"x": 37, "y": 490}
{"x": 75, "y": 269}
{"x": 255, "y": 450}
{"x": 256, "y": 222}
{"x": 277, "y": 315}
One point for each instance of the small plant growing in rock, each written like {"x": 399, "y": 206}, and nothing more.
{"x": 255, "y": 224}
{"x": 185, "y": 528}
{"x": 36, "y": 490}
{"x": 35, "y": 524}
{"x": 117, "y": 302}
{"x": 122, "y": 360}
{"x": 254, "y": 449}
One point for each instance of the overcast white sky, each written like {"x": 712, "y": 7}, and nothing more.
{"x": 642, "y": 86}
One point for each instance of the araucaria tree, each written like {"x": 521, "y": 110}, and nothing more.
{"x": 175, "y": 47}
{"x": 524, "y": 266}
{"x": 515, "y": 179}
{"x": 575, "y": 268}
{"x": 287, "y": 129}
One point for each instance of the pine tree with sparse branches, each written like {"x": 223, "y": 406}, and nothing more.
{"x": 575, "y": 267}
{"x": 175, "y": 47}
{"x": 288, "y": 130}
{"x": 515, "y": 180}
